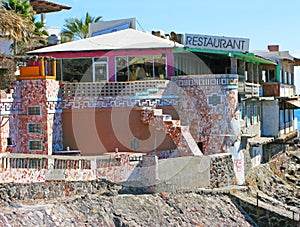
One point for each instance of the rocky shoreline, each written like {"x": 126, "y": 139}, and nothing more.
{"x": 274, "y": 186}
{"x": 180, "y": 209}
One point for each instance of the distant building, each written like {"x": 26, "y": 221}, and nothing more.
{"x": 105, "y": 27}
{"x": 279, "y": 91}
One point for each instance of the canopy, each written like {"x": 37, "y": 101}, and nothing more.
{"x": 42, "y": 6}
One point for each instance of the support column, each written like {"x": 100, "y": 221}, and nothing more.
{"x": 256, "y": 73}
{"x": 241, "y": 68}
{"x": 250, "y": 72}
{"x": 260, "y": 73}
{"x": 233, "y": 66}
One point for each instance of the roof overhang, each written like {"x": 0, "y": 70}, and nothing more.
{"x": 297, "y": 61}
{"x": 248, "y": 57}
{"x": 295, "y": 103}
{"x": 42, "y": 6}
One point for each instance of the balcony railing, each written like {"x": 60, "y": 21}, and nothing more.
{"x": 249, "y": 89}
{"x": 278, "y": 89}
{"x": 40, "y": 69}
{"x": 111, "y": 89}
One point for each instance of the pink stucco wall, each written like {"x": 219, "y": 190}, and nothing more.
{"x": 114, "y": 53}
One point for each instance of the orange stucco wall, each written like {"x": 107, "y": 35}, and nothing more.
{"x": 96, "y": 131}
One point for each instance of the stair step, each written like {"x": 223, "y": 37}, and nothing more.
{"x": 157, "y": 112}
{"x": 192, "y": 143}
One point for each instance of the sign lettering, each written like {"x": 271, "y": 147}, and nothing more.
{"x": 217, "y": 43}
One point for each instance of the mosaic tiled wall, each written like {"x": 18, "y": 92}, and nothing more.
{"x": 4, "y": 132}
{"x": 22, "y": 176}
{"x": 173, "y": 128}
{"x": 116, "y": 102}
{"x": 208, "y": 104}
{"x": 43, "y": 94}
{"x": 5, "y": 115}
{"x": 119, "y": 171}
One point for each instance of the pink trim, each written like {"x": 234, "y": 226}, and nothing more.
{"x": 114, "y": 53}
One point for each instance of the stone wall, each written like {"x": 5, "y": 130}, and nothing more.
{"x": 221, "y": 171}
{"x": 50, "y": 190}
{"x": 271, "y": 149}
{"x": 148, "y": 174}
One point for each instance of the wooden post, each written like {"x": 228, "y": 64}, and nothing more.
{"x": 54, "y": 68}
{"x": 42, "y": 67}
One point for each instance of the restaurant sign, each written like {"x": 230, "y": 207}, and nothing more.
{"x": 217, "y": 43}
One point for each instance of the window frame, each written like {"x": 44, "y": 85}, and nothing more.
{"x": 35, "y": 140}
{"x": 34, "y": 112}
{"x": 34, "y": 131}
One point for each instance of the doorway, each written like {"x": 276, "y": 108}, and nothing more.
{"x": 100, "y": 72}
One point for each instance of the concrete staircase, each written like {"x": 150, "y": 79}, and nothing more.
{"x": 180, "y": 135}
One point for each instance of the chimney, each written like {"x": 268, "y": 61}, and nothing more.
{"x": 273, "y": 48}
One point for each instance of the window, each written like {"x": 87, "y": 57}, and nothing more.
{"x": 35, "y": 145}
{"x": 76, "y": 69}
{"x": 281, "y": 119}
{"x": 272, "y": 76}
{"x": 282, "y": 76}
{"x": 9, "y": 142}
{"x": 131, "y": 68}
{"x": 100, "y": 69}
{"x": 291, "y": 115}
{"x": 34, "y": 110}
{"x": 34, "y": 128}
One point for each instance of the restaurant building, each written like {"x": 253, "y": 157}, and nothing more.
{"x": 132, "y": 92}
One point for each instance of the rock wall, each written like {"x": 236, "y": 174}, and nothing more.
{"x": 221, "y": 171}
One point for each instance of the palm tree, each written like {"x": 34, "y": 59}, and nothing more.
{"x": 22, "y": 7}
{"x": 75, "y": 28}
{"x": 14, "y": 26}
{"x": 36, "y": 37}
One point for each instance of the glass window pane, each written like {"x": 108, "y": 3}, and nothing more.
{"x": 160, "y": 67}
{"x": 34, "y": 110}
{"x": 35, "y": 145}
{"x": 122, "y": 68}
{"x": 100, "y": 71}
{"x": 34, "y": 128}
{"x": 76, "y": 70}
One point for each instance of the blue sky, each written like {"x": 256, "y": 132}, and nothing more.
{"x": 263, "y": 21}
